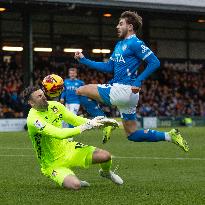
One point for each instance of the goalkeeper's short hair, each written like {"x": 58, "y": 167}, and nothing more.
{"x": 26, "y": 94}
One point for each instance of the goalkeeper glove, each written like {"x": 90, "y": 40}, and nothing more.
{"x": 106, "y": 121}
{"x": 90, "y": 124}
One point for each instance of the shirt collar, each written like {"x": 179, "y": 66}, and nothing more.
{"x": 131, "y": 36}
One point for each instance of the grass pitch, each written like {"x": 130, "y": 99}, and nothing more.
{"x": 153, "y": 173}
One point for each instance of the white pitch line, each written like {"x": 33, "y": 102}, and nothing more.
{"x": 13, "y": 155}
{"x": 15, "y": 148}
{"x": 120, "y": 157}
{"x": 160, "y": 158}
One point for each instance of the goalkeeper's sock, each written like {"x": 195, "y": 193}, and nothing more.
{"x": 106, "y": 166}
{"x": 147, "y": 136}
{"x": 91, "y": 106}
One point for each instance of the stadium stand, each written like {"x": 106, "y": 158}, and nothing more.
{"x": 167, "y": 93}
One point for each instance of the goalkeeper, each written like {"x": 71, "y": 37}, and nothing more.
{"x": 57, "y": 156}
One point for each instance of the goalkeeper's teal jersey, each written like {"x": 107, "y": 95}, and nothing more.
{"x": 46, "y": 132}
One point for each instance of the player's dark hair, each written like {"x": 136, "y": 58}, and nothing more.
{"x": 132, "y": 18}
{"x": 73, "y": 69}
{"x": 26, "y": 94}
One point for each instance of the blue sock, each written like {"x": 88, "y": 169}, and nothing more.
{"x": 91, "y": 106}
{"x": 147, "y": 136}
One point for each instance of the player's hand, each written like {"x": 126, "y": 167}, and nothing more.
{"x": 78, "y": 55}
{"x": 106, "y": 122}
{"x": 90, "y": 124}
{"x": 135, "y": 89}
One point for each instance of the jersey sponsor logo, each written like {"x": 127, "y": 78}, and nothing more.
{"x": 118, "y": 58}
{"x": 39, "y": 125}
{"x": 71, "y": 88}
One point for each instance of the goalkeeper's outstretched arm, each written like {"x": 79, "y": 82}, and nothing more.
{"x": 51, "y": 131}
{"x": 42, "y": 127}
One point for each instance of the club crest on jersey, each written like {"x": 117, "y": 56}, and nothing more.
{"x": 54, "y": 173}
{"x": 124, "y": 47}
{"x": 55, "y": 109}
{"x": 39, "y": 125}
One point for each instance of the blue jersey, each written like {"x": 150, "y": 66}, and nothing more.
{"x": 125, "y": 61}
{"x": 69, "y": 93}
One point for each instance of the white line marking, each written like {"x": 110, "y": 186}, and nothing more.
{"x": 160, "y": 158}
{"x": 13, "y": 155}
{"x": 120, "y": 157}
{"x": 15, "y": 148}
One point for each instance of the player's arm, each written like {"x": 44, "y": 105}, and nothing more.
{"x": 70, "y": 117}
{"x": 144, "y": 53}
{"x": 42, "y": 127}
{"x": 106, "y": 67}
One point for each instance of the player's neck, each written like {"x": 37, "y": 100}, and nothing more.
{"x": 129, "y": 35}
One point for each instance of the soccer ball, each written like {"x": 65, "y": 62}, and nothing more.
{"x": 53, "y": 85}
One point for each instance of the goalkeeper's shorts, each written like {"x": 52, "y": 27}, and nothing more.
{"x": 78, "y": 155}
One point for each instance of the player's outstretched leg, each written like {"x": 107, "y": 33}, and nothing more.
{"x": 149, "y": 135}
{"x": 104, "y": 159}
{"x": 94, "y": 110}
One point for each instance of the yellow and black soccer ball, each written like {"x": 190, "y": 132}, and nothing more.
{"x": 53, "y": 85}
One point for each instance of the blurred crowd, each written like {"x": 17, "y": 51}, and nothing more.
{"x": 173, "y": 93}
{"x": 166, "y": 93}
{"x": 11, "y": 81}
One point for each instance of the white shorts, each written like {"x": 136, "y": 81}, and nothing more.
{"x": 121, "y": 96}
{"x": 74, "y": 108}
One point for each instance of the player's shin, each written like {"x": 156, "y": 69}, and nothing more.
{"x": 107, "y": 173}
{"x": 94, "y": 110}
{"x": 106, "y": 166}
{"x": 147, "y": 136}
{"x": 91, "y": 106}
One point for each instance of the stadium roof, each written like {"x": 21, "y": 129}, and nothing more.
{"x": 195, "y": 6}
{"x": 175, "y": 5}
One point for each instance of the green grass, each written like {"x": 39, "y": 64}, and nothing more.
{"x": 153, "y": 173}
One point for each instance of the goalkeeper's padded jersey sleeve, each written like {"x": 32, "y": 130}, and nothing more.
{"x": 46, "y": 132}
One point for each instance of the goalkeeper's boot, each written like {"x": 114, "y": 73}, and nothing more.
{"x": 177, "y": 139}
{"x": 106, "y": 133}
{"x": 112, "y": 176}
{"x": 84, "y": 184}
